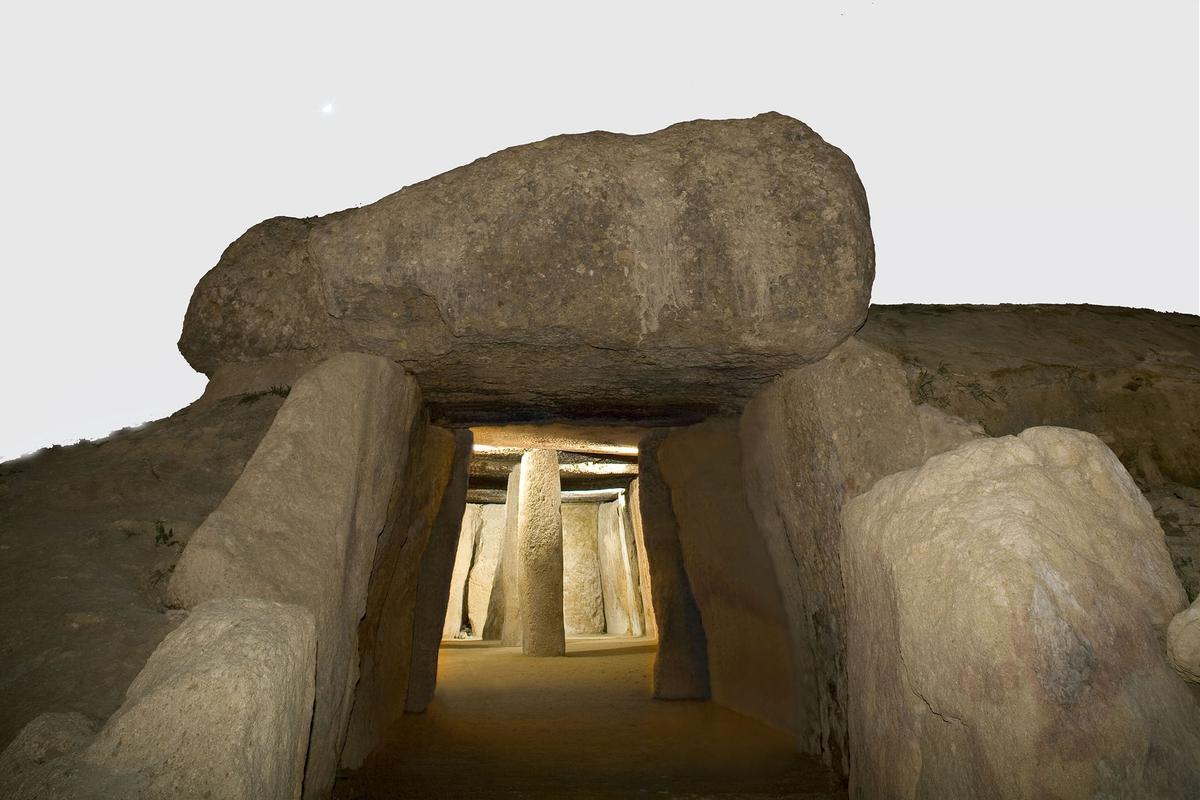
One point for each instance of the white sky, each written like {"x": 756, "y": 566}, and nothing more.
{"x": 1012, "y": 152}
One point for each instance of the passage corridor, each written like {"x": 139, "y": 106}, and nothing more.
{"x": 505, "y": 725}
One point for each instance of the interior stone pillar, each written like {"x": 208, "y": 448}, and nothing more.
{"x": 539, "y": 543}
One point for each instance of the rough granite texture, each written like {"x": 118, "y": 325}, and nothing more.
{"x": 302, "y": 523}
{"x": 681, "y": 660}
{"x": 1007, "y": 603}
{"x": 731, "y": 574}
{"x": 47, "y": 737}
{"x": 1183, "y": 643}
{"x": 600, "y": 274}
{"x": 221, "y": 709}
{"x": 810, "y": 441}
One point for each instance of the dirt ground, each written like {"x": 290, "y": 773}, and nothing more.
{"x": 89, "y": 535}
{"x": 503, "y": 725}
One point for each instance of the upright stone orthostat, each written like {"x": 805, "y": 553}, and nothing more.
{"x": 583, "y": 597}
{"x": 811, "y": 441}
{"x": 434, "y": 580}
{"x": 681, "y": 663}
{"x": 484, "y": 561}
{"x": 456, "y": 611}
{"x": 302, "y": 523}
{"x": 504, "y": 610}
{"x": 731, "y": 574}
{"x": 635, "y": 514}
{"x": 633, "y": 579}
{"x": 613, "y": 577}
{"x": 539, "y": 542}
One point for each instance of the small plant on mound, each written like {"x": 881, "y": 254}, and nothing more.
{"x": 281, "y": 391}
{"x": 164, "y": 535}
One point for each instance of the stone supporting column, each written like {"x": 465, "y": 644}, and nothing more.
{"x": 540, "y": 548}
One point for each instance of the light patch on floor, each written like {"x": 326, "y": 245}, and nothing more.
{"x": 503, "y": 725}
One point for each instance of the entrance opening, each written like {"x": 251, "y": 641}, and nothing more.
{"x": 605, "y": 578}
{"x": 506, "y": 723}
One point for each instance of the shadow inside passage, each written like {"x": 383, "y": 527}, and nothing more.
{"x": 504, "y": 725}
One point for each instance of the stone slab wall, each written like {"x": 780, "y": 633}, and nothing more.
{"x": 635, "y": 516}
{"x": 302, "y": 523}
{"x": 1006, "y": 608}
{"x": 222, "y": 708}
{"x": 731, "y": 574}
{"x": 810, "y": 441}
{"x": 434, "y": 578}
{"x": 468, "y": 532}
{"x": 583, "y": 596}
{"x": 681, "y": 661}
{"x": 485, "y": 561}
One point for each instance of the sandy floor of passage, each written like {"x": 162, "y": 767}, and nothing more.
{"x": 507, "y": 726}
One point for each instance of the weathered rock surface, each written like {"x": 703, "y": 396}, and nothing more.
{"x": 643, "y": 563}
{"x": 673, "y": 270}
{"x": 633, "y": 581}
{"x": 302, "y": 523}
{"x": 385, "y": 633}
{"x": 47, "y": 737}
{"x": 504, "y": 610}
{"x": 539, "y": 543}
{"x": 433, "y": 580}
{"x": 1183, "y": 643}
{"x": 456, "y": 610}
{"x": 1005, "y": 608}
{"x": 223, "y": 706}
{"x": 221, "y": 709}
{"x": 620, "y": 616}
{"x": 89, "y": 536}
{"x": 493, "y": 522}
{"x": 1130, "y": 376}
{"x": 731, "y": 573}
{"x": 810, "y": 441}
{"x": 583, "y": 598}
{"x": 681, "y": 660}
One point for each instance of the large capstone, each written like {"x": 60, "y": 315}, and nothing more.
{"x": 593, "y": 274}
